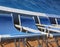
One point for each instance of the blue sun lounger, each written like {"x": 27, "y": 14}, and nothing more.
{"x": 28, "y": 24}
{"x": 8, "y": 31}
{"x": 27, "y": 21}
{"x": 49, "y": 27}
{"x": 53, "y": 25}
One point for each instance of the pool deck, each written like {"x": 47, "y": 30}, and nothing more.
{"x": 32, "y": 42}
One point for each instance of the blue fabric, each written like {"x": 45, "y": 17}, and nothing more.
{"x": 43, "y": 6}
{"x": 44, "y": 20}
{"x": 58, "y": 20}
{"x": 28, "y": 22}
{"x": 7, "y": 26}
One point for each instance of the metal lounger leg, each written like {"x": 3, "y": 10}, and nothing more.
{"x": 56, "y": 42}
{"x": 24, "y": 42}
{"x": 39, "y": 45}
{"x": 27, "y": 41}
{"x": 17, "y": 45}
{"x": 46, "y": 38}
{"x": 47, "y": 42}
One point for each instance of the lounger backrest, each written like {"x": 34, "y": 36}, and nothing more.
{"x": 7, "y": 25}
{"x": 58, "y": 20}
{"x": 52, "y": 20}
{"x": 28, "y": 22}
{"x": 44, "y": 20}
{"x": 36, "y": 19}
{"x": 16, "y": 18}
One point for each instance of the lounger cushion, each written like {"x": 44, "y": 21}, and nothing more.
{"x": 28, "y": 22}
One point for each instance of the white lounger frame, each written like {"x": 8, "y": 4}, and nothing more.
{"x": 20, "y": 11}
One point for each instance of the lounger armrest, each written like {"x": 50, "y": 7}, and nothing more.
{"x": 18, "y": 26}
{"x": 26, "y": 28}
{"x": 49, "y": 26}
{"x": 53, "y": 30}
{"x": 37, "y": 24}
{"x": 40, "y": 25}
{"x": 34, "y": 31}
{"x": 56, "y": 26}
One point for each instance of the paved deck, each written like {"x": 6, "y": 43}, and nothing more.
{"x": 32, "y": 42}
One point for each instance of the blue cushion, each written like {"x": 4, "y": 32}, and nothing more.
{"x": 28, "y": 22}
{"x": 7, "y": 25}
{"x": 44, "y": 20}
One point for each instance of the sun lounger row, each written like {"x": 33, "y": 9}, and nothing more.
{"x": 9, "y": 23}
{"x": 8, "y": 31}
